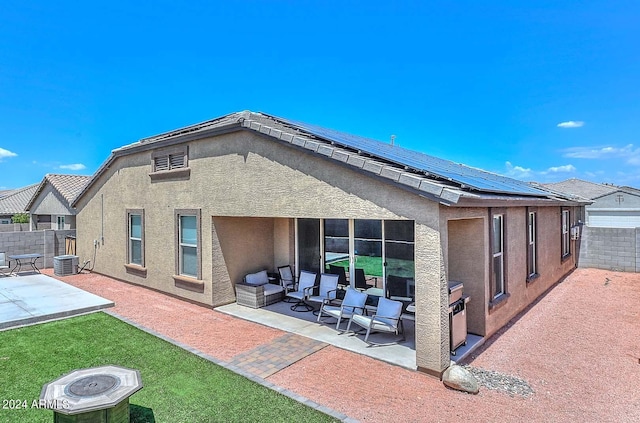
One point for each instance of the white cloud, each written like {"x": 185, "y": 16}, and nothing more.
{"x": 524, "y": 173}
{"x": 565, "y": 168}
{"x": 75, "y": 166}
{"x": 628, "y": 152}
{"x": 517, "y": 172}
{"x": 571, "y": 124}
{"x": 6, "y": 153}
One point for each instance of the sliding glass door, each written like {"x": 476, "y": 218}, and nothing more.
{"x": 373, "y": 253}
{"x": 399, "y": 257}
{"x": 308, "y": 245}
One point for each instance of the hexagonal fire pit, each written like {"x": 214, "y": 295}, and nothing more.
{"x": 98, "y": 394}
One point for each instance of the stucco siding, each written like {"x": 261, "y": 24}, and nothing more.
{"x": 234, "y": 175}
{"x": 550, "y": 264}
{"x": 51, "y": 202}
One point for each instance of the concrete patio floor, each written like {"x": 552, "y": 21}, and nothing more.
{"x": 35, "y": 298}
{"x": 280, "y": 316}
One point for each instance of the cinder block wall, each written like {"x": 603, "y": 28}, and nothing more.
{"x": 610, "y": 248}
{"x": 48, "y": 243}
{"x": 14, "y": 227}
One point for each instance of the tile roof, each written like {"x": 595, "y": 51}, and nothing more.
{"x": 69, "y": 186}
{"x": 439, "y": 179}
{"x": 584, "y": 189}
{"x": 17, "y": 201}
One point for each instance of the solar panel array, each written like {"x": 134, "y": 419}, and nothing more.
{"x": 458, "y": 173}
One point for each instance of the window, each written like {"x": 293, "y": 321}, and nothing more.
{"x": 532, "y": 266}
{"x": 566, "y": 234}
{"x": 136, "y": 233}
{"x": 188, "y": 243}
{"x": 497, "y": 250}
{"x": 60, "y": 223}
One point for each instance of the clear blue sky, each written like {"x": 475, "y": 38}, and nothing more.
{"x": 536, "y": 90}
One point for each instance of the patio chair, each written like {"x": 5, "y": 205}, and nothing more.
{"x": 4, "y": 264}
{"x": 327, "y": 290}
{"x": 304, "y": 289}
{"x": 387, "y": 319}
{"x": 341, "y": 272}
{"x": 287, "y": 280}
{"x": 361, "y": 280}
{"x": 353, "y": 303}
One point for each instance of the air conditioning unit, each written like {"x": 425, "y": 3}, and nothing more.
{"x": 65, "y": 265}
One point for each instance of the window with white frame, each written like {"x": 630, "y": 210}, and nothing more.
{"x": 188, "y": 243}
{"x": 497, "y": 251}
{"x": 532, "y": 265}
{"x": 60, "y": 223}
{"x": 135, "y": 237}
{"x": 566, "y": 233}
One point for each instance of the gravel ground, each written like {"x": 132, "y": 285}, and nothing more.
{"x": 572, "y": 357}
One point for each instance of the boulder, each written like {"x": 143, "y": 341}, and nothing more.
{"x": 459, "y": 378}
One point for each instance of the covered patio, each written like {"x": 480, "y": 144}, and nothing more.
{"x": 395, "y": 351}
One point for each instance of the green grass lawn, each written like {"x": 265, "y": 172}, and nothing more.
{"x": 178, "y": 386}
{"x": 373, "y": 266}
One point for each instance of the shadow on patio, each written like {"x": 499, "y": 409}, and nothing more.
{"x": 280, "y": 316}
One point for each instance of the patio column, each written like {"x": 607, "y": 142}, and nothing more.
{"x": 432, "y": 304}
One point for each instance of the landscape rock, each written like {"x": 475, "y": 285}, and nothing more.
{"x": 459, "y": 378}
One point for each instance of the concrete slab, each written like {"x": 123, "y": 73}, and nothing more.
{"x": 36, "y": 298}
{"x": 279, "y": 316}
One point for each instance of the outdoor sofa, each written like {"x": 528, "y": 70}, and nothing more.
{"x": 255, "y": 291}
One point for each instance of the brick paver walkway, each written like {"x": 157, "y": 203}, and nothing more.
{"x": 267, "y": 359}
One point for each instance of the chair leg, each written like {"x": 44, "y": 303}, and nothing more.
{"x": 306, "y": 306}
{"x": 367, "y": 335}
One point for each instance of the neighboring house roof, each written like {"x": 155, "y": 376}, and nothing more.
{"x": 69, "y": 186}
{"x": 5, "y": 192}
{"x": 588, "y": 190}
{"x": 17, "y": 201}
{"x": 439, "y": 179}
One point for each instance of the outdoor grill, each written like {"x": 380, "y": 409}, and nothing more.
{"x": 457, "y": 316}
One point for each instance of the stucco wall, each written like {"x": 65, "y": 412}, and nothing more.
{"x": 468, "y": 260}
{"x": 51, "y": 202}
{"x": 249, "y": 189}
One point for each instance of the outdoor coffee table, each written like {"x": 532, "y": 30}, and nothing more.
{"x": 24, "y": 259}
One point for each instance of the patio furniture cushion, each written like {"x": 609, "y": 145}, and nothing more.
{"x": 306, "y": 283}
{"x": 256, "y": 291}
{"x": 353, "y": 303}
{"x": 260, "y": 278}
{"x": 386, "y": 319}
{"x": 327, "y": 290}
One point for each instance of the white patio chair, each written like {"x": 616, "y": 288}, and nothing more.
{"x": 4, "y": 264}
{"x": 327, "y": 290}
{"x": 353, "y": 303}
{"x": 386, "y": 319}
{"x": 306, "y": 283}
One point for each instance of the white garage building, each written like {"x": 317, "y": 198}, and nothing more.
{"x": 612, "y": 207}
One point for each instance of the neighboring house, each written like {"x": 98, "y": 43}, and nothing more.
{"x": 191, "y": 211}
{"x": 15, "y": 202}
{"x": 50, "y": 205}
{"x": 612, "y": 206}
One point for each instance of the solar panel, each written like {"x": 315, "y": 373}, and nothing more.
{"x": 464, "y": 175}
